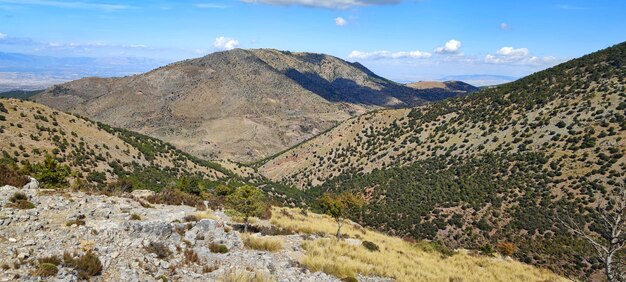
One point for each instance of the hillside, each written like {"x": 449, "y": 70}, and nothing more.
{"x": 19, "y": 94}
{"x": 95, "y": 237}
{"x": 435, "y": 90}
{"x": 238, "y": 104}
{"x": 480, "y": 168}
{"x": 30, "y": 131}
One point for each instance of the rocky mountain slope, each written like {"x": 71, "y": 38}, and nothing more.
{"x": 492, "y": 165}
{"x": 76, "y": 236}
{"x": 239, "y": 104}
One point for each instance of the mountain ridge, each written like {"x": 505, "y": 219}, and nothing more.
{"x": 261, "y": 101}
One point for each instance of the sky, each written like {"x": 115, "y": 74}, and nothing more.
{"x": 405, "y": 41}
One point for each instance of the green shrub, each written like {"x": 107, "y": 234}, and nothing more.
{"x": 487, "y": 250}
{"x": 135, "y": 217}
{"x": 218, "y": 248}
{"x": 46, "y": 270}
{"x": 371, "y": 246}
{"x": 51, "y": 259}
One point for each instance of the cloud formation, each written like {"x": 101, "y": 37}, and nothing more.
{"x": 2, "y": 35}
{"x": 329, "y": 4}
{"x": 451, "y": 47}
{"x": 225, "y": 43}
{"x": 339, "y": 21}
{"x": 388, "y": 55}
{"x": 504, "y": 26}
{"x": 517, "y": 56}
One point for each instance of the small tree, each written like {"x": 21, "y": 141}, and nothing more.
{"x": 249, "y": 201}
{"x": 609, "y": 223}
{"x": 338, "y": 207}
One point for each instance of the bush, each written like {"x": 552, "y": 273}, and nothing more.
{"x": 506, "y": 248}
{"x": 88, "y": 265}
{"x": 160, "y": 249}
{"x": 18, "y": 196}
{"x": 191, "y": 256}
{"x": 486, "y": 250}
{"x": 190, "y": 218}
{"x": 51, "y": 259}
{"x": 349, "y": 279}
{"x": 20, "y": 201}
{"x": 9, "y": 176}
{"x": 175, "y": 197}
{"x": 135, "y": 217}
{"x": 218, "y": 249}
{"x": 371, "y": 246}
{"x": 46, "y": 270}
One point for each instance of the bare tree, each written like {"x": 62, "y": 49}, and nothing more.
{"x": 610, "y": 237}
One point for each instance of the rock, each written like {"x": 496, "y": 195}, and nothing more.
{"x": 32, "y": 183}
{"x": 12, "y": 240}
{"x": 140, "y": 194}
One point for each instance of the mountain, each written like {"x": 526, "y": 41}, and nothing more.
{"x": 481, "y": 79}
{"x": 239, "y": 104}
{"x": 19, "y": 94}
{"x": 485, "y": 168}
{"x": 435, "y": 90}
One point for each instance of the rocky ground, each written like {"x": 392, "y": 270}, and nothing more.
{"x": 120, "y": 231}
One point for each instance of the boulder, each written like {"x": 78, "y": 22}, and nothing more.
{"x": 32, "y": 183}
{"x": 142, "y": 193}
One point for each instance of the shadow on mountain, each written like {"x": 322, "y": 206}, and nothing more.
{"x": 346, "y": 90}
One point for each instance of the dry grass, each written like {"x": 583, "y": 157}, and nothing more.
{"x": 239, "y": 275}
{"x": 397, "y": 258}
{"x": 265, "y": 243}
{"x": 208, "y": 214}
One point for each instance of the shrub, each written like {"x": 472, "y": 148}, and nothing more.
{"x": 272, "y": 244}
{"x": 174, "y": 197}
{"x": 135, "y": 217}
{"x": 78, "y": 222}
{"x": 190, "y": 218}
{"x": 160, "y": 249}
{"x": 191, "y": 256}
{"x": 51, "y": 259}
{"x": 18, "y": 196}
{"x": 506, "y": 248}
{"x": 20, "y": 201}
{"x": 88, "y": 265}
{"x": 46, "y": 270}
{"x": 371, "y": 246}
{"x": 349, "y": 279}
{"x": 218, "y": 248}
{"x": 486, "y": 250}
{"x": 50, "y": 172}
{"x": 9, "y": 176}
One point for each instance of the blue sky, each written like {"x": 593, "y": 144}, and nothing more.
{"x": 402, "y": 40}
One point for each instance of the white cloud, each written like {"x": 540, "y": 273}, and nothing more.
{"x": 329, "y": 4}
{"x": 339, "y": 21}
{"x": 510, "y": 51}
{"x": 2, "y": 35}
{"x": 451, "y": 47}
{"x": 225, "y": 43}
{"x": 518, "y": 56}
{"x": 504, "y": 26}
{"x": 388, "y": 55}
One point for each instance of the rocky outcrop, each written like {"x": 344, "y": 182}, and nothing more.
{"x": 120, "y": 232}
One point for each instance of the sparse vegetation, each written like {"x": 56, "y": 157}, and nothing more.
{"x": 218, "y": 248}
{"x": 159, "y": 249}
{"x": 263, "y": 243}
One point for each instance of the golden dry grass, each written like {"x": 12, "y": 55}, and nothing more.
{"x": 240, "y": 275}
{"x": 263, "y": 243}
{"x": 397, "y": 258}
